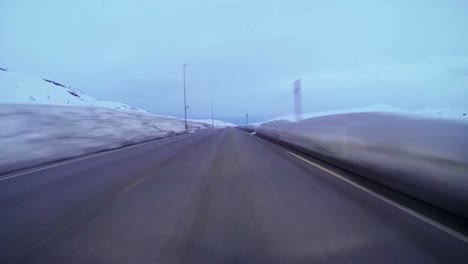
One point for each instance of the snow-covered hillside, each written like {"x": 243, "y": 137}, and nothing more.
{"x": 460, "y": 114}
{"x": 43, "y": 121}
{"x": 21, "y": 89}
{"x": 444, "y": 113}
{"x": 217, "y": 123}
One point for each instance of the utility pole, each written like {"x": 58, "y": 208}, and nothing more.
{"x": 212, "y": 115}
{"x": 246, "y": 119}
{"x": 185, "y": 100}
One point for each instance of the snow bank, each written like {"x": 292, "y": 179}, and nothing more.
{"x": 31, "y": 135}
{"x": 449, "y": 113}
{"x": 424, "y": 158}
{"x": 248, "y": 128}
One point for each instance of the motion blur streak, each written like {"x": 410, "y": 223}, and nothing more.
{"x": 423, "y": 158}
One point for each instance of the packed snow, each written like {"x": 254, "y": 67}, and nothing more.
{"x": 36, "y": 134}
{"x": 426, "y": 158}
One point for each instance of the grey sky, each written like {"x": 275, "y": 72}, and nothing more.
{"x": 244, "y": 55}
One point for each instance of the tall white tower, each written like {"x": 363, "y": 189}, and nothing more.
{"x": 297, "y": 100}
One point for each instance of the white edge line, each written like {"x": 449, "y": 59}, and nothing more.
{"x": 399, "y": 206}
{"x": 60, "y": 163}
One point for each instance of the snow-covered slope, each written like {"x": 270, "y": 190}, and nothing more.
{"x": 44, "y": 121}
{"x": 21, "y": 89}
{"x": 460, "y": 114}
{"x": 217, "y": 123}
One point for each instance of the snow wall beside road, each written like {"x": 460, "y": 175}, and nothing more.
{"x": 424, "y": 158}
{"x": 33, "y": 135}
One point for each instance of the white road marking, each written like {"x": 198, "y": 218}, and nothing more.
{"x": 383, "y": 198}
{"x": 84, "y": 158}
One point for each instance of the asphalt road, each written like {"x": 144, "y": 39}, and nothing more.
{"x": 218, "y": 196}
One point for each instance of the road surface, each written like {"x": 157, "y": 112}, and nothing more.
{"x": 218, "y": 196}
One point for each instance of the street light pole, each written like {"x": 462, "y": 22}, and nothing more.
{"x": 246, "y": 119}
{"x": 212, "y": 115}
{"x": 185, "y": 100}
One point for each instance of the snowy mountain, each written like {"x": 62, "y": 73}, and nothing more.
{"x": 21, "y": 89}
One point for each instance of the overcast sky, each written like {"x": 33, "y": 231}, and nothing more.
{"x": 244, "y": 54}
